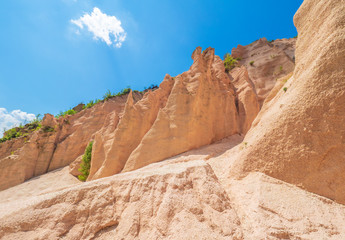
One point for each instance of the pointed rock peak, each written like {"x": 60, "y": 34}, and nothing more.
{"x": 263, "y": 40}
{"x": 207, "y": 57}
{"x": 130, "y": 101}
{"x": 208, "y": 52}
{"x": 238, "y": 52}
{"x": 49, "y": 120}
{"x": 196, "y": 54}
{"x": 167, "y": 77}
{"x": 166, "y": 81}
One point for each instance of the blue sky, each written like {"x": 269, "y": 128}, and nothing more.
{"x": 48, "y": 63}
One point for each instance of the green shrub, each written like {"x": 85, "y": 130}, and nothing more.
{"x": 107, "y": 95}
{"x": 91, "y": 103}
{"x": 20, "y": 131}
{"x": 123, "y": 91}
{"x": 47, "y": 129}
{"x": 68, "y": 112}
{"x": 229, "y": 62}
{"x": 86, "y": 163}
{"x": 152, "y": 86}
{"x": 251, "y": 63}
{"x": 285, "y": 89}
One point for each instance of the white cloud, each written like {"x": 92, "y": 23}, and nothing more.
{"x": 13, "y": 119}
{"x": 104, "y": 27}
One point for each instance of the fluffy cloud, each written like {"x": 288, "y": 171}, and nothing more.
{"x": 14, "y": 118}
{"x": 104, "y": 27}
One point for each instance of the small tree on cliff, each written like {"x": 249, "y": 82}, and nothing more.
{"x": 86, "y": 163}
{"x": 230, "y": 62}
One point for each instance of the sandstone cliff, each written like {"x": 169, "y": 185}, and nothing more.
{"x": 247, "y": 100}
{"x": 200, "y": 110}
{"x": 113, "y": 147}
{"x": 266, "y": 62}
{"x": 300, "y": 137}
{"x": 283, "y": 180}
{"x": 43, "y": 151}
{"x": 198, "y": 107}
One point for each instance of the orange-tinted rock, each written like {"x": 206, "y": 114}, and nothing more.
{"x": 58, "y": 143}
{"x": 79, "y": 107}
{"x": 266, "y": 62}
{"x": 200, "y": 110}
{"x": 247, "y": 100}
{"x": 49, "y": 121}
{"x": 110, "y": 154}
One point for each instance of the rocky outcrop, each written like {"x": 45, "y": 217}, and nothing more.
{"x": 300, "y": 138}
{"x": 284, "y": 181}
{"x": 58, "y": 143}
{"x": 110, "y": 153}
{"x": 246, "y": 98}
{"x": 188, "y": 111}
{"x": 195, "y": 108}
{"x": 266, "y": 62}
{"x": 200, "y": 110}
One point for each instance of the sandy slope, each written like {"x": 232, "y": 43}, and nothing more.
{"x": 180, "y": 198}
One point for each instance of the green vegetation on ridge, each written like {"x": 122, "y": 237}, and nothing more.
{"x": 21, "y": 130}
{"x": 230, "y": 62}
{"x": 35, "y": 124}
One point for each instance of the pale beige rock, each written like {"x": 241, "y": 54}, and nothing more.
{"x": 300, "y": 138}
{"x": 179, "y": 201}
{"x": 110, "y": 154}
{"x": 272, "y": 209}
{"x": 200, "y": 110}
{"x": 179, "y": 198}
{"x": 75, "y": 165}
{"x": 247, "y": 100}
{"x": 270, "y": 61}
{"x": 53, "y": 181}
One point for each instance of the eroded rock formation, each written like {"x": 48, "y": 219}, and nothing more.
{"x": 112, "y": 148}
{"x": 246, "y": 100}
{"x": 195, "y": 108}
{"x": 58, "y": 143}
{"x": 190, "y": 110}
{"x": 300, "y": 137}
{"x": 283, "y": 181}
{"x": 266, "y": 62}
